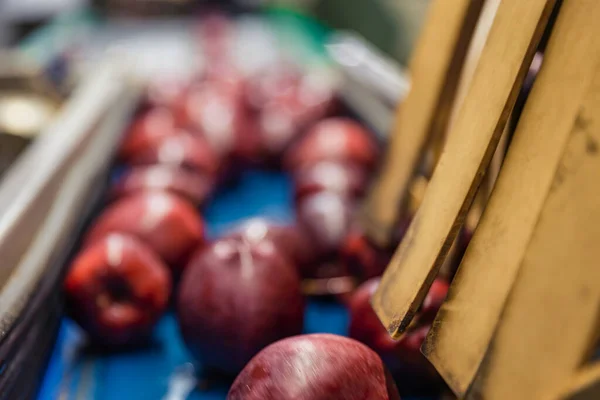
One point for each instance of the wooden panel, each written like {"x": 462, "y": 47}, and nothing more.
{"x": 504, "y": 62}
{"x": 550, "y": 323}
{"x": 465, "y": 324}
{"x": 434, "y": 70}
{"x": 585, "y": 385}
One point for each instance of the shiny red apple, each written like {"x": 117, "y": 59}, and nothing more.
{"x": 334, "y": 139}
{"x": 235, "y": 298}
{"x": 170, "y": 225}
{"x": 215, "y": 110}
{"x": 180, "y": 150}
{"x": 315, "y": 367}
{"x": 287, "y": 239}
{"x": 195, "y": 186}
{"x": 117, "y": 289}
{"x": 147, "y": 130}
{"x": 287, "y": 103}
{"x": 277, "y": 125}
{"x": 326, "y": 218}
{"x": 328, "y": 176}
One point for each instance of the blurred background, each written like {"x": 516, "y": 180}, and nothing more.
{"x": 46, "y": 47}
{"x": 389, "y": 24}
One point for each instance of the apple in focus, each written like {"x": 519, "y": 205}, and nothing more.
{"x": 168, "y": 224}
{"x": 117, "y": 289}
{"x": 315, "y": 367}
{"x": 235, "y": 298}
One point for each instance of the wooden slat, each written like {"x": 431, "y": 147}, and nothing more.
{"x": 434, "y": 69}
{"x": 551, "y": 320}
{"x": 585, "y": 385}
{"x": 504, "y": 62}
{"x": 465, "y": 324}
{"x": 484, "y": 24}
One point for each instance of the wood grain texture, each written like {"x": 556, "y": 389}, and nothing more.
{"x": 550, "y": 323}
{"x": 434, "y": 70}
{"x": 465, "y": 324}
{"x": 512, "y": 41}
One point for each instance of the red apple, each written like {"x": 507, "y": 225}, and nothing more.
{"x": 117, "y": 289}
{"x": 277, "y": 125}
{"x": 281, "y": 122}
{"x": 339, "y": 139}
{"x": 328, "y": 176}
{"x": 280, "y": 80}
{"x": 237, "y": 297}
{"x": 433, "y": 301}
{"x": 403, "y": 355}
{"x": 287, "y": 104}
{"x": 363, "y": 258}
{"x": 195, "y": 186}
{"x": 315, "y": 367}
{"x": 170, "y": 225}
{"x": 149, "y": 128}
{"x": 316, "y": 92}
{"x": 287, "y": 239}
{"x": 326, "y": 218}
{"x": 216, "y": 111}
{"x": 311, "y": 92}
{"x": 181, "y": 150}
{"x": 214, "y": 35}
{"x": 165, "y": 91}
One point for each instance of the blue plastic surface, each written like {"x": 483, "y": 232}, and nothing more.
{"x": 74, "y": 373}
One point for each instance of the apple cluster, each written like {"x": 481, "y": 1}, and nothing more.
{"x": 240, "y": 298}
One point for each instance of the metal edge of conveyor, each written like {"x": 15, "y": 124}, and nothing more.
{"x": 52, "y": 185}
{"x": 362, "y": 62}
{"x": 373, "y": 84}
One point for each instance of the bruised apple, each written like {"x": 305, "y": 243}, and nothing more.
{"x": 328, "y": 176}
{"x": 117, "y": 289}
{"x": 236, "y": 297}
{"x": 315, "y": 367}
{"x": 181, "y": 150}
{"x": 192, "y": 185}
{"x": 167, "y": 223}
{"x": 333, "y": 139}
